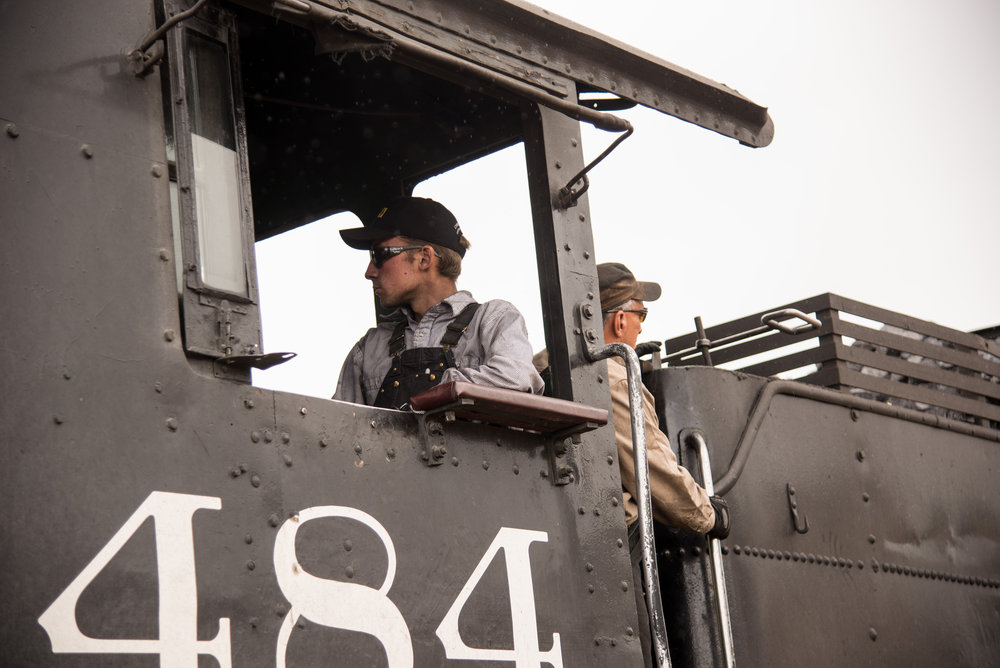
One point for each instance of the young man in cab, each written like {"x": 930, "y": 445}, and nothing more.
{"x": 437, "y": 333}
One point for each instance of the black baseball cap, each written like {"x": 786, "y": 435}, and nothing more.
{"x": 416, "y": 217}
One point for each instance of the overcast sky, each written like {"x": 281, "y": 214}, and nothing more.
{"x": 881, "y": 183}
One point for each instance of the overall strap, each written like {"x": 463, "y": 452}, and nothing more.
{"x": 398, "y": 339}
{"x": 458, "y": 326}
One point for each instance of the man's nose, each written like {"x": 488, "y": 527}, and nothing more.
{"x": 371, "y": 272}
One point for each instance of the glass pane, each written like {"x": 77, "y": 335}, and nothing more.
{"x": 216, "y": 170}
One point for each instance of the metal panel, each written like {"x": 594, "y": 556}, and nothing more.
{"x": 899, "y": 566}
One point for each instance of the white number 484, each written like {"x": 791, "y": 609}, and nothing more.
{"x": 332, "y": 603}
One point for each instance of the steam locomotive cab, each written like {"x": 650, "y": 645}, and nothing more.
{"x": 165, "y": 510}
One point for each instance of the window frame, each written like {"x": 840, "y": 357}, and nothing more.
{"x": 217, "y": 323}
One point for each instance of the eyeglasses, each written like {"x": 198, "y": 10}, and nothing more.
{"x": 643, "y": 312}
{"x": 381, "y": 254}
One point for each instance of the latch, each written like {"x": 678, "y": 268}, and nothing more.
{"x": 801, "y": 525}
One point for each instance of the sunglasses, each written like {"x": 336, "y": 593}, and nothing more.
{"x": 643, "y": 312}
{"x": 381, "y": 254}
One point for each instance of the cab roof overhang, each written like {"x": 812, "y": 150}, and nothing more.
{"x": 459, "y": 73}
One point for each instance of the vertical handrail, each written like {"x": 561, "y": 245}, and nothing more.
{"x": 643, "y": 497}
{"x": 718, "y": 572}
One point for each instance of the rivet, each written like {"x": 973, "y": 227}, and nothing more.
{"x": 251, "y": 565}
{"x": 58, "y": 419}
{"x": 280, "y": 610}
{"x": 517, "y": 469}
{"x": 287, "y": 459}
{"x": 248, "y": 403}
{"x": 157, "y": 171}
{"x": 874, "y": 566}
{"x": 348, "y": 545}
{"x": 755, "y": 551}
{"x": 558, "y": 165}
{"x": 168, "y": 334}
{"x": 253, "y": 622}
{"x": 255, "y": 436}
{"x": 865, "y": 497}
{"x": 273, "y": 520}
{"x": 590, "y": 588}
{"x": 725, "y": 550}
{"x": 586, "y": 255}
{"x": 860, "y": 455}
{"x": 873, "y": 634}
{"x": 567, "y": 247}
{"x": 624, "y": 585}
{"x": 681, "y": 552}
{"x": 590, "y": 295}
{"x": 696, "y": 551}
{"x": 486, "y": 465}
{"x": 573, "y": 141}
{"x": 373, "y": 424}
{"x": 736, "y": 549}
{"x": 248, "y": 539}
{"x": 12, "y": 131}
{"x": 581, "y": 511}
{"x": 597, "y": 512}
{"x": 854, "y": 415}
{"x": 172, "y": 424}
{"x": 357, "y": 448}
{"x": 600, "y": 379}
{"x": 543, "y": 473}
{"x": 788, "y": 555}
{"x": 454, "y": 461}
{"x": 611, "y": 460}
{"x": 620, "y": 542}
{"x": 770, "y": 554}
{"x": 255, "y": 480}
{"x": 590, "y": 567}
{"x": 86, "y": 151}
{"x": 303, "y": 411}
{"x": 285, "y": 437}
{"x": 323, "y": 442}
{"x": 614, "y": 502}
{"x": 613, "y": 642}
{"x": 871, "y": 539}
{"x": 390, "y": 453}
{"x": 629, "y": 632}
{"x": 349, "y": 572}
{"x": 234, "y": 472}
{"x": 164, "y": 255}
{"x": 597, "y": 641}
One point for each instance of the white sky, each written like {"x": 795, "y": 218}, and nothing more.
{"x": 881, "y": 183}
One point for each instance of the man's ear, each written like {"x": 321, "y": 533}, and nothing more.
{"x": 426, "y": 257}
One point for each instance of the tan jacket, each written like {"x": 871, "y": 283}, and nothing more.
{"x": 678, "y": 501}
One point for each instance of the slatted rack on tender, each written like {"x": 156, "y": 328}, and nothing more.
{"x": 894, "y": 358}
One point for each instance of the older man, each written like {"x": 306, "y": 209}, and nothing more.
{"x": 437, "y": 333}
{"x": 678, "y": 501}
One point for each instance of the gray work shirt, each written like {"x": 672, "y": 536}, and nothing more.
{"x": 493, "y": 351}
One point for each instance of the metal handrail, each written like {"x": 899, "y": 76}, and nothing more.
{"x": 718, "y": 571}
{"x": 643, "y": 496}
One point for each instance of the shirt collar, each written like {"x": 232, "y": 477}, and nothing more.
{"x": 453, "y": 304}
